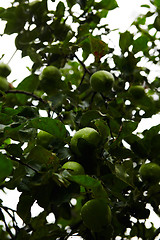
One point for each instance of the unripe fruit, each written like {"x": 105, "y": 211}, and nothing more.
{"x": 44, "y": 139}
{"x": 4, "y": 84}
{"x": 50, "y": 80}
{"x": 4, "y": 70}
{"x": 150, "y": 172}
{"x": 137, "y": 92}
{"x": 96, "y": 214}
{"x": 88, "y": 135}
{"x": 74, "y": 168}
{"x": 102, "y": 81}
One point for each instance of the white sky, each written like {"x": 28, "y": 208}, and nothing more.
{"x": 120, "y": 18}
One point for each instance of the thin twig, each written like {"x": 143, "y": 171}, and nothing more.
{"x": 6, "y": 226}
{"x": 119, "y": 133}
{"x": 26, "y": 93}
{"x": 7, "y": 209}
{"x": 12, "y": 56}
{"x": 108, "y": 123}
{"x": 25, "y": 164}
{"x": 81, "y": 80}
{"x": 83, "y": 65}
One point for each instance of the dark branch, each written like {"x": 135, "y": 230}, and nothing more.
{"x": 26, "y": 93}
{"x": 83, "y": 65}
{"x": 24, "y": 164}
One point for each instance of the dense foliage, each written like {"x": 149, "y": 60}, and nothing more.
{"x": 34, "y": 148}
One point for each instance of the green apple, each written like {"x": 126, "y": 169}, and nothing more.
{"x": 88, "y": 136}
{"x": 74, "y": 168}
{"x": 4, "y": 84}
{"x": 137, "y": 92}
{"x": 4, "y": 70}
{"x": 96, "y": 214}
{"x": 150, "y": 172}
{"x": 102, "y": 81}
{"x": 50, "y": 80}
{"x": 44, "y": 139}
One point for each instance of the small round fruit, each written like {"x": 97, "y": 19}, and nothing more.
{"x": 102, "y": 81}
{"x": 150, "y": 172}
{"x": 44, "y": 139}
{"x": 137, "y": 92}
{"x": 4, "y": 70}
{"x": 74, "y": 168}
{"x": 96, "y": 214}
{"x": 88, "y": 135}
{"x": 4, "y": 84}
{"x": 50, "y": 80}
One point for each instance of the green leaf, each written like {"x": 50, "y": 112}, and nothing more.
{"x": 102, "y": 128}
{"x": 157, "y": 3}
{"x": 40, "y": 155}
{"x": 90, "y": 183}
{"x": 106, "y": 4}
{"x": 52, "y": 126}
{"x": 24, "y": 207}
{"x": 140, "y": 44}
{"x": 125, "y": 41}
{"x": 124, "y": 172}
{"x": 5, "y": 167}
{"x": 89, "y": 116}
{"x": 128, "y": 127}
{"x": 15, "y": 150}
{"x": 29, "y": 84}
{"x": 34, "y": 56}
{"x": 5, "y": 119}
{"x": 60, "y": 10}
{"x": 98, "y": 47}
{"x": 22, "y": 234}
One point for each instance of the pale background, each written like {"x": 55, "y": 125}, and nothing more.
{"x": 120, "y": 18}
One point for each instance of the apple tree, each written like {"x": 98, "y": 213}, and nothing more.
{"x": 68, "y": 134}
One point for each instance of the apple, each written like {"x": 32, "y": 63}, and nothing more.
{"x": 137, "y": 92}
{"x": 74, "y": 168}
{"x": 4, "y": 84}
{"x": 84, "y": 138}
{"x": 50, "y": 80}
{"x": 44, "y": 139}
{"x": 102, "y": 81}
{"x": 96, "y": 214}
{"x": 4, "y": 70}
{"x": 150, "y": 172}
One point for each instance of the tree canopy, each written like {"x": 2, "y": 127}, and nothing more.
{"x": 89, "y": 122}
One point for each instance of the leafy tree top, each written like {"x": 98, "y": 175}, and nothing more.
{"x": 35, "y": 148}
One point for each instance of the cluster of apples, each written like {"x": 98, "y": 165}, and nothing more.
{"x": 4, "y": 73}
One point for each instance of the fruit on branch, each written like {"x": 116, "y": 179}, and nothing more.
{"x": 96, "y": 214}
{"x": 44, "y": 139}
{"x": 83, "y": 139}
{"x": 137, "y": 92}
{"x": 150, "y": 172}
{"x": 74, "y": 168}
{"x": 4, "y": 84}
{"x": 50, "y": 80}
{"x": 4, "y": 70}
{"x": 102, "y": 81}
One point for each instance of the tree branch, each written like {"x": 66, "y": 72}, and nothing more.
{"x": 25, "y": 164}
{"x": 26, "y": 93}
{"x": 83, "y": 65}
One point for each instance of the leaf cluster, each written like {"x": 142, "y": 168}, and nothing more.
{"x": 111, "y": 168}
